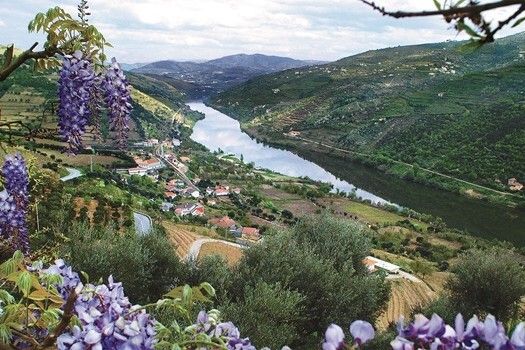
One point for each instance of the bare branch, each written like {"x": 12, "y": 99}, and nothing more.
{"x": 453, "y": 11}
{"x": 10, "y": 66}
{"x": 64, "y": 322}
{"x": 490, "y": 36}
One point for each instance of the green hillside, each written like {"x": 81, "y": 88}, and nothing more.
{"x": 436, "y": 106}
{"x": 30, "y": 96}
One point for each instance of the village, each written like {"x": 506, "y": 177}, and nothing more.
{"x": 186, "y": 197}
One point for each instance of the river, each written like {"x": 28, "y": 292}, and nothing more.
{"x": 218, "y": 130}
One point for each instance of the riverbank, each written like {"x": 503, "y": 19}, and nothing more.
{"x": 402, "y": 170}
{"x": 482, "y": 218}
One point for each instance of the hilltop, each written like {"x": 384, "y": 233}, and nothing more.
{"x": 200, "y": 79}
{"x": 435, "y": 106}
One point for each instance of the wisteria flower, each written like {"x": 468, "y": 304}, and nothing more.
{"x": 334, "y": 338}
{"x": 362, "y": 332}
{"x": 118, "y": 101}
{"x": 75, "y": 85}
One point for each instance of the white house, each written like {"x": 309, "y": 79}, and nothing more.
{"x": 138, "y": 171}
{"x": 373, "y": 264}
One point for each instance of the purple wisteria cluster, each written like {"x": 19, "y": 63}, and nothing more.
{"x": 118, "y": 101}
{"x": 434, "y": 334}
{"x": 75, "y": 85}
{"x": 14, "y": 201}
{"x": 80, "y": 92}
{"x": 225, "y": 330}
{"x": 107, "y": 318}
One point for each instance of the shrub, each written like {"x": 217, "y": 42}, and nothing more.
{"x": 487, "y": 281}
{"x": 146, "y": 265}
{"x": 261, "y": 306}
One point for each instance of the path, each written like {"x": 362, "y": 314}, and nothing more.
{"x": 406, "y": 164}
{"x": 73, "y": 174}
{"x": 180, "y": 173}
{"x": 193, "y": 252}
{"x": 405, "y": 275}
{"x": 143, "y": 224}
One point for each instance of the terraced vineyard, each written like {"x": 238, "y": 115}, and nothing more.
{"x": 230, "y": 253}
{"x": 181, "y": 236}
{"x": 405, "y": 296}
{"x": 433, "y": 106}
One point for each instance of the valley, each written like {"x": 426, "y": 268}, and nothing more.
{"x": 409, "y": 111}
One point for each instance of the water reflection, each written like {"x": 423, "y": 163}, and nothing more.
{"x": 218, "y": 130}
{"x": 480, "y": 218}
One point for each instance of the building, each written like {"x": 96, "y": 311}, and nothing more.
{"x": 226, "y": 223}
{"x": 149, "y": 164}
{"x": 170, "y": 195}
{"x": 193, "y": 209}
{"x": 514, "y": 185}
{"x": 221, "y": 191}
{"x": 236, "y": 190}
{"x": 250, "y": 233}
{"x": 374, "y": 264}
{"x": 166, "y": 206}
{"x": 191, "y": 192}
{"x": 138, "y": 171}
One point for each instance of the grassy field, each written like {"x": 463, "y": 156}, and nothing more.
{"x": 230, "y": 253}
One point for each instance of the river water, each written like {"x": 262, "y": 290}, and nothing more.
{"x": 218, "y": 130}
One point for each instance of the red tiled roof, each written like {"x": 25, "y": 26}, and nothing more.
{"x": 224, "y": 222}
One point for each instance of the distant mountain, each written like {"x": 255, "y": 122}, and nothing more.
{"x": 206, "y": 78}
{"x": 260, "y": 62}
{"x": 438, "y": 106}
{"x": 130, "y": 66}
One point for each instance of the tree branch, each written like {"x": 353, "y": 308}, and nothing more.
{"x": 64, "y": 322}
{"x": 10, "y": 65}
{"x": 453, "y": 11}
{"x": 501, "y": 24}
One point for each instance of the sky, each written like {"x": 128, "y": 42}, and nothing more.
{"x": 151, "y": 30}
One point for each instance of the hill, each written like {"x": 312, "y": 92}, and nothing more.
{"x": 30, "y": 97}
{"x": 436, "y": 106}
{"x": 200, "y": 79}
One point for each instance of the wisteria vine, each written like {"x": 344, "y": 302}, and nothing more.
{"x": 14, "y": 201}
{"x": 434, "y": 334}
{"x": 80, "y": 92}
{"x": 77, "y": 78}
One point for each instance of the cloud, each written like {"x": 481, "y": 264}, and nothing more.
{"x": 147, "y": 30}
{"x": 2, "y": 23}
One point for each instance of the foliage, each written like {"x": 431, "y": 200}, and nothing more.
{"x": 138, "y": 262}
{"x": 259, "y": 309}
{"x": 321, "y": 260}
{"x": 489, "y": 281}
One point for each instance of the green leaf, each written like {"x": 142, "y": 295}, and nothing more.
{"x": 23, "y": 282}
{"x": 186, "y": 294}
{"x": 6, "y": 297}
{"x": 518, "y": 22}
{"x": 208, "y": 289}
{"x": 5, "y": 334}
{"x": 462, "y": 26}
{"x": 438, "y": 5}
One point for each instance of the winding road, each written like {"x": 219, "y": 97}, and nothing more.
{"x": 193, "y": 252}
{"x": 143, "y": 223}
{"x": 73, "y": 174}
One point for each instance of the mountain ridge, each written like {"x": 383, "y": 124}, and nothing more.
{"x": 209, "y": 77}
